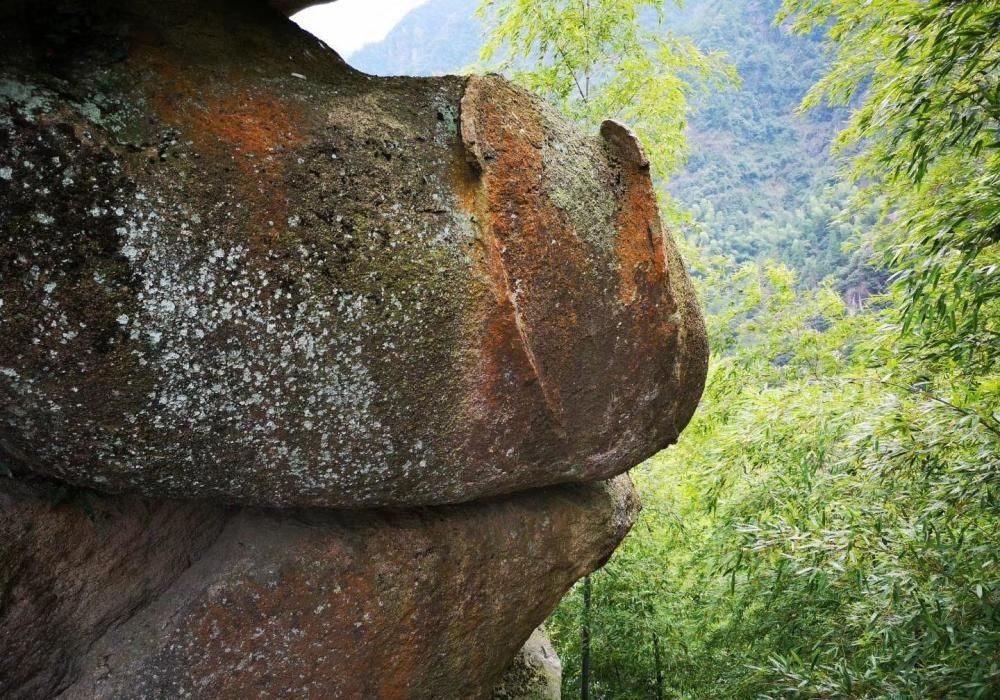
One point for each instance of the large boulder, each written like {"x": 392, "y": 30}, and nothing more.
{"x": 117, "y": 597}
{"x": 237, "y": 273}
{"x": 232, "y": 267}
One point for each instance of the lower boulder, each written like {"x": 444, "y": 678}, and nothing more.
{"x": 124, "y": 598}
{"x": 535, "y": 674}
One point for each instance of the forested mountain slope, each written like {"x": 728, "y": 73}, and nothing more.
{"x": 442, "y": 36}
{"x": 759, "y": 181}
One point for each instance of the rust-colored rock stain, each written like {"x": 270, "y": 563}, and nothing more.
{"x": 532, "y": 259}
{"x": 573, "y": 332}
{"x": 252, "y": 128}
{"x": 644, "y": 288}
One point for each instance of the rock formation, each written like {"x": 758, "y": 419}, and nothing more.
{"x": 242, "y": 284}
{"x": 170, "y": 599}
{"x": 234, "y": 268}
{"x": 535, "y": 674}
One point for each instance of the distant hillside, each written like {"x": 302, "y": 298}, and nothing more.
{"x": 758, "y": 177}
{"x": 440, "y": 37}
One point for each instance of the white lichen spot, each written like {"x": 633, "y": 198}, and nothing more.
{"x": 285, "y": 373}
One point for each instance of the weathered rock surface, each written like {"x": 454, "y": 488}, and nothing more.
{"x": 169, "y": 600}
{"x": 237, "y": 272}
{"x": 64, "y": 579}
{"x": 231, "y": 267}
{"x": 536, "y": 673}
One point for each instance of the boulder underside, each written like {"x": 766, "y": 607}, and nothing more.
{"x": 119, "y": 597}
{"x": 535, "y": 674}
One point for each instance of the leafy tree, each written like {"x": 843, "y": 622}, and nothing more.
{"x": 595, "y": 60}
{"x": 826, "y": 527}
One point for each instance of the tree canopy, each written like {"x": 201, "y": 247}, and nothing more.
{"x": 923, "y": 78}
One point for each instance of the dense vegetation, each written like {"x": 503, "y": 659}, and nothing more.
{"x": 759, "y": 183}
{"x": 829, "y": 524}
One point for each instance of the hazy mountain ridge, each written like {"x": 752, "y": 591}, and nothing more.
{"x": 442, "y": 36}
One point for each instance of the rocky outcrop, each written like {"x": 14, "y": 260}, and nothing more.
{"x": 165, "y": 599}
{"x": 231, "y": 267}
{"x": 309, "y": 379}
{"x": 536, "y": 673}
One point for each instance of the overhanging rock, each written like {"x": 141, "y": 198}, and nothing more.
{"x": 233, "y": 270}
{"x": 232, "y": 267}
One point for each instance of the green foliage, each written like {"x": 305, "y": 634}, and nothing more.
{"x": 827, "y": 526}
{"x": 595, "y": 60}
{"x": 925, "y": 81}
{"x": 760, "y": 183}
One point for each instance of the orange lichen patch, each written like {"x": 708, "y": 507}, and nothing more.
{"x": 214, "y": 113}
{"x": 222, "y": 108}
{"x": 256, "y": 124}
{"x": 245, "y": 121}
{"x": 509, "y": 374}
{"x": 547, "y": 293}
{"x": 644, "y": 289}
{"x": 535, "y": 261}
{"x": 589, "y": 315}
{"x": 640, "y": 247}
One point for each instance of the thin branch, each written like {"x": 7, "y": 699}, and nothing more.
{"x": 572, "y": 72}
{"x": 632, "y": 97}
